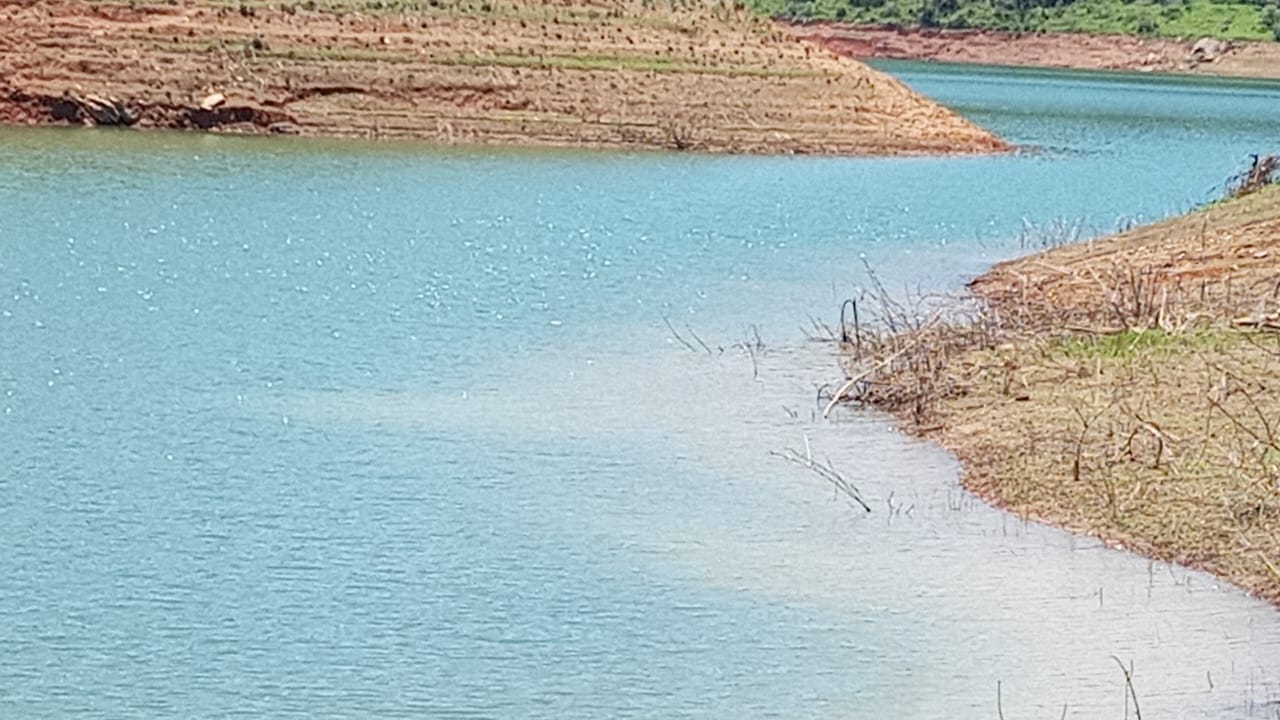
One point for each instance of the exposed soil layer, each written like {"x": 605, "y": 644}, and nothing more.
{"x": 1126, "y": 388}
{"x": 603, "y": 74}
{"x": 1053, "y": 50}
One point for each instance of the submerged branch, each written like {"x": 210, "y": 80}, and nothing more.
{"x": 825, "y": 471}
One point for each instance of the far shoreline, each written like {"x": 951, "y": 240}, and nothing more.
{"x": 1195, "y": 58}
{"x": 893, "y": 66}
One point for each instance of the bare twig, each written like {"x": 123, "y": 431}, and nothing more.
{"x": 848, "y": 385}
{"x": 1128, "y": 683}
{"x": 695, "y": 337}
{"x": 751, "y": 353}
{"x": 857, "y": 328}
{"x": 826, "y": 472}
{"x": 676, "y": 335}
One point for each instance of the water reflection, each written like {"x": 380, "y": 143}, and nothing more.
{"x": 931, "y": 591}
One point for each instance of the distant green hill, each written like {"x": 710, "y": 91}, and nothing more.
{"x": 1251, "y": 20}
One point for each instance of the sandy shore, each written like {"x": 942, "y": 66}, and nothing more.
{"x": 1124, "y": 388}
{"x": 1051, "y": 50}
{"x": 624, "y": 73}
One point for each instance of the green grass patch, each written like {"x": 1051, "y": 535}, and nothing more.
{"x": 335, "y": 55}
{"x": 1131, "y": 344}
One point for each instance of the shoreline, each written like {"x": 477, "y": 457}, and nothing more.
{"x": 1121, "y": 388}
{"x": 1070, "y": 51}
{"x": 624, "y": 74}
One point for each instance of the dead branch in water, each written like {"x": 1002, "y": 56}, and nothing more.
{"x": 851, "y": 382}
{"x": 1128, "y": 683}
{"x": 751, "y": 353}
{"x": 820, "y": 331}
{"x": 857, "y": 328}
{"x": 676, "y": 335}
{"x": 695, "y": 337}
{"x": 825, "y": 471}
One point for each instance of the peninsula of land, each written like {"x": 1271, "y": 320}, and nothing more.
{"x": 1126, "y": 388}
{"x": 706, "y": 76}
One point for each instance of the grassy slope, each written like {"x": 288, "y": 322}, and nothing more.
{"x": 1171, "y": 18}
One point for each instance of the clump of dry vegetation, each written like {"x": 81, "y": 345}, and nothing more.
{"x": 1128, "y": 388}
{"x": 1262, "y": 171}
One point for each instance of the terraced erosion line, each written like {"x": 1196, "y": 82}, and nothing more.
{"x": 701, "y": 75}
{"x": 1126, "y": 388}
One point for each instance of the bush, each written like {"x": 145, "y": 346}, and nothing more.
{"x": 1271, "y": 21}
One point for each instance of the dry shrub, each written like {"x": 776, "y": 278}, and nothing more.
{"x": 1260, "y": 173}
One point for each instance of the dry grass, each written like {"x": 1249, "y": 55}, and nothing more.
{"x": 1128, "y": 388}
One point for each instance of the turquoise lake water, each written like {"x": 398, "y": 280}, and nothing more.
{"x": 312, "y": 429}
